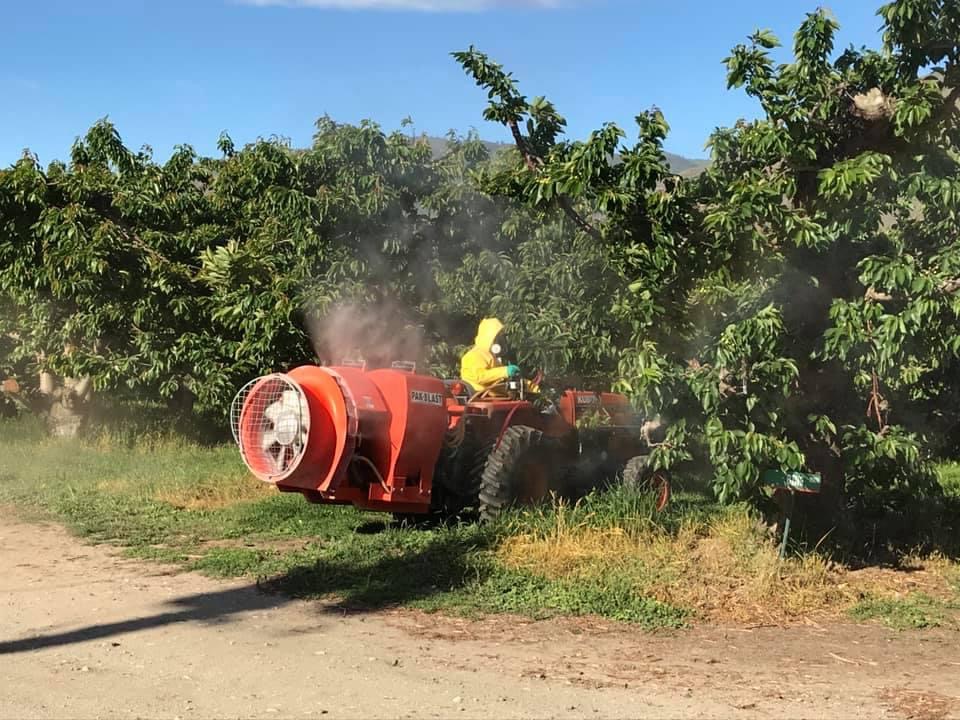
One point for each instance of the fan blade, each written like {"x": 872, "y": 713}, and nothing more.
{"x": 272, "y": 411}
{"x": 276, "y": 457}
{"x": 268, "y": 439}
{"x": 283, "y": 457}
{"x": 291, "y": 401}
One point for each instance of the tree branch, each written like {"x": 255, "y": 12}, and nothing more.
{"x": 951, "y": 105}
{"x": 947, "y": 287}
{"x": 578, "y": 219}
{"x": 533, "y": 164}
{"x": 83, "y": 387}
{"x": 877, "y": 296}
{"x": 950, "y": 286}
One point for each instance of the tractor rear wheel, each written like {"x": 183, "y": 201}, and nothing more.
{"x": 516, "y": 472}
{"x": 640, "y": 476}
{"x": 458, "y": 476}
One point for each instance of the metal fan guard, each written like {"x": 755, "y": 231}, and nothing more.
{"x": 248, "y": 419}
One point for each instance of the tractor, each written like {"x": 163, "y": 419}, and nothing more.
{"x": 415, "y": 445}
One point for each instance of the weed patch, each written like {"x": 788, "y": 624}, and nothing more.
{"x": 236, "y": 561}
{"x": 722, "y": 565}
{"x": 615, "y": 597}
{"x": 719, "y": 563}
{"x": 914, "y": 611}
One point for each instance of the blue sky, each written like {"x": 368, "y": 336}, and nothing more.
{"x": 179, "y": 71}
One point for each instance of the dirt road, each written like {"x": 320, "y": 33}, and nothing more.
{"x": 85, "y": 633}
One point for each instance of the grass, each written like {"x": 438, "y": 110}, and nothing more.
{"x": 165, "y": 499}
{"x": 722, "y": 564}
{"x": 168, "y": 500}
{"x": 917, "y": 610}
{"x": 950, "y": 478}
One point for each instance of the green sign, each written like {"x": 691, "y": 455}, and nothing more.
{"x": 796, "y": 481}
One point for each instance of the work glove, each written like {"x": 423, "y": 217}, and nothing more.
{"x": 512, "y": 371}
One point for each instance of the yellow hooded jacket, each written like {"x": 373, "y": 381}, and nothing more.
{"x": 478, "y": 366}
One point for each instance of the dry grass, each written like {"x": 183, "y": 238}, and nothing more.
{"x": 205, "y": 494}
{"x": 727, "y": 569}
{"x": 934, "y": 576}
{"x": 214, "y": 493}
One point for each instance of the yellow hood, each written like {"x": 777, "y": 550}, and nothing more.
{"x": 487, "y": 332}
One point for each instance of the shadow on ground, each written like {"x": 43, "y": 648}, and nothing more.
{"x": 213, "y": 607}
{"x": 440, "y": 563}
{"x": 443, "y": 563}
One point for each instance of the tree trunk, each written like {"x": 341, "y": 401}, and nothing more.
{"x": 9, "y": 389}
{"x": 66, "y": 403}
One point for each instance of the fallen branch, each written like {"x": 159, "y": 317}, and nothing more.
{"x": 843, "y": 659}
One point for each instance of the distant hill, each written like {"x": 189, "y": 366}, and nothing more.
{"x": 678, "y": 163}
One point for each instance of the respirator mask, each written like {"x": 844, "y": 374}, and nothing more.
{"x": 499, "y": 347}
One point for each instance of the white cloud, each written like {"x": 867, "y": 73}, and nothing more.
{"x": 418, "y": 5}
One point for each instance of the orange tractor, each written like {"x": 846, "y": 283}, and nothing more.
{"x": 414, "y": 445}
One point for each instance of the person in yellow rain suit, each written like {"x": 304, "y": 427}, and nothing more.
{"x": 482, "y": 365}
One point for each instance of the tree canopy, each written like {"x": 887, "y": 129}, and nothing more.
{"x": 193, "y": 275}
{"x": 794, "y": 306}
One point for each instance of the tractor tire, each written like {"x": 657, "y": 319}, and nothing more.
{"x": 458, "y": 477}
{"x": 515, "y": 472}
{"x": 638, "y": 475}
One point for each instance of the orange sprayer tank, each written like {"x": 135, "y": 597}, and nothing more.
{"x": 343, "y": 434}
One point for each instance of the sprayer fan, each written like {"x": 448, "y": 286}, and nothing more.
{"x": 285, "y": 431}
{"x": 272, "y": 424}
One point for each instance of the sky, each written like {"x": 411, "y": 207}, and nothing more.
{"x": 170, "y": 72}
